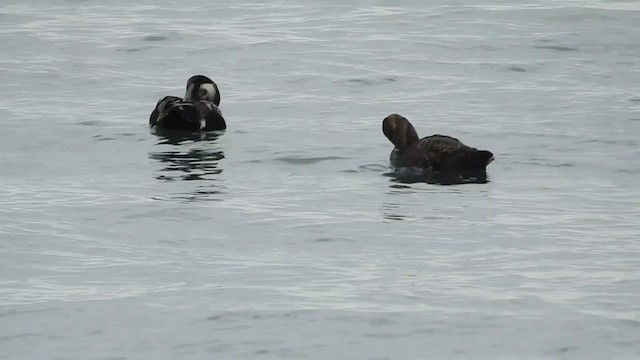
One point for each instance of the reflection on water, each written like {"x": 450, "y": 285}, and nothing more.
{"x": 391, "y": 212}
{"x": 395, "y": 211}
{"x": 402, "y": 180}
{"x": 192, "y": 164}
{"x": 415, "y": 175}
{"x": 192, "y": 157}
{"x": 178, "y": 137}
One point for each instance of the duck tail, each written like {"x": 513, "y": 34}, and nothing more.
{"x": 487, "y": 156}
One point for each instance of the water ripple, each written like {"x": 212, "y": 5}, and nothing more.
{"x": 180, "y": 246}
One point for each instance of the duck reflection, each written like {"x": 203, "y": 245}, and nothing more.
{"x": 178, "y": 137}
{"x": 190, "y": 157}
{"x": 194, "y": 164}
{"x": 391, "y": 211}
{"x": 414, "y": 175}
{"x": 402, "y": 184}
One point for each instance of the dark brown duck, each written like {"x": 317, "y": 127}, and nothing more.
{"x": 437, "y": 152}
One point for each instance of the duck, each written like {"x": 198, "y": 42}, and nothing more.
{"x": 435, "y": 152}
{"x": 197, "y": 111}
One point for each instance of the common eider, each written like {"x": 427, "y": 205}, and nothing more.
{"x": 197, "y": 111}
{"x": 435, "y": 152}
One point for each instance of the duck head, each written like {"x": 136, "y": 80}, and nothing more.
{"x": 399, "y": 131}
{"x": 200, "y": 87}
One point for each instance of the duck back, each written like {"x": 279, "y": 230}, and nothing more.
{"x": 446, "y": 153}
{"x": 181, "y": 116}
{"x": 173, "y": 113}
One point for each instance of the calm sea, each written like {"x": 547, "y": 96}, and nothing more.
{"x": 288, "y": 236}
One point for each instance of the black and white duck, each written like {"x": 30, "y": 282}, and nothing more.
{"x": 197, "y": 111}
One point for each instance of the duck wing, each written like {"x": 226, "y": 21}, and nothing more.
{"x": 175, "y": 114}
{"x": 447, "y": 153}
{"x": 162, "y": 104}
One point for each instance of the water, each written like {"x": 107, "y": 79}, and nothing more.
{"x": 288, "y": 236}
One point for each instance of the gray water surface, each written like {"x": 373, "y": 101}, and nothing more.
{"x": 288, "y": 236}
